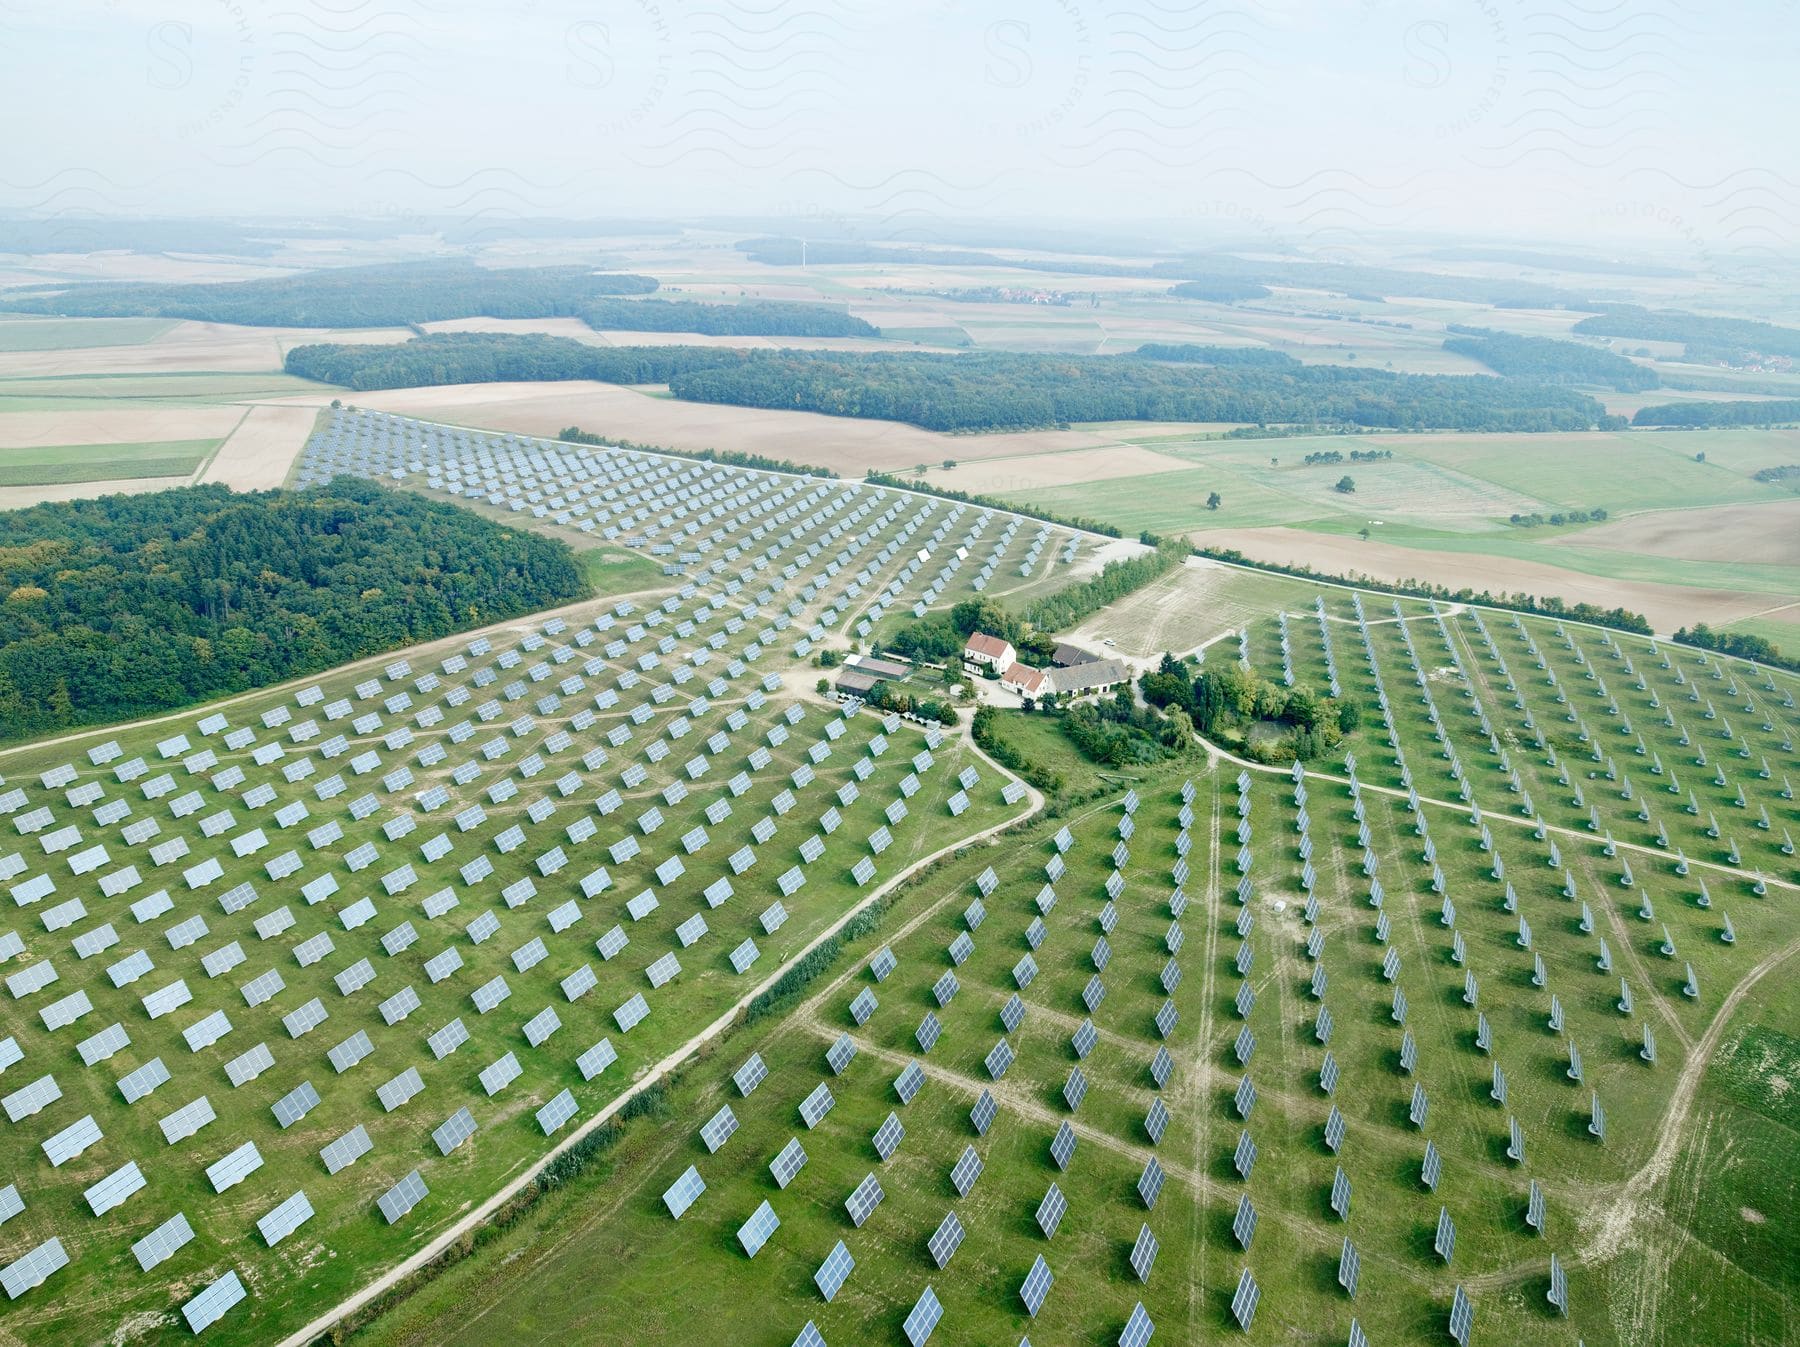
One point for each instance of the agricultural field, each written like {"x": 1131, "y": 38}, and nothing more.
{"x": 1489, "y": 1010}
{"x": 282, "y": 1045}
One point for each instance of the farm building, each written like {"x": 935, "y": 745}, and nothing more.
{"x": 1026, "y": 681}
{"x": 1096, "y": 676}
{"x": 989, "y": 652}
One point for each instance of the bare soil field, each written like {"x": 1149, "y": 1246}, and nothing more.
{"x": 116, "y": 425}
{"x": 1667, "y": 606}
{"x": 1073, "y": 467}
{"x": 213, "y": 347}
{"x": 18, "y": 497}
{"x": 1184, "y": 609}
{"x": 258, "y": 454}
{"x": 1767, "y": 535}
{"x": 848, "y": 446}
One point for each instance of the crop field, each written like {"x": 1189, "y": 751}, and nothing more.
{"x": 1481, "y": 998}
{"x": 200, "y": 895}
{"x": 62, "y": 334}
{"x": 100, "y": 462}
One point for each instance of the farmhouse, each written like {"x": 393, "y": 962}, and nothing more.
{"x": 989, "y": 652}
{"x": 1026, "y": 681}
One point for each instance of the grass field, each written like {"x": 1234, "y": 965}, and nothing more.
{"x": 103, "y": 462}
{"x": 63, "y": 334}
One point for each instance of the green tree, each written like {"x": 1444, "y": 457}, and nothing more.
{"x": 1214, "y": 500}
{"x": 1346, "y": 484}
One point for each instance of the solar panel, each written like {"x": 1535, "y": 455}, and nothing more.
{"x": 402, "y": 1197}
{"x": 187, "y": 1120}
{"x": 1036, "y": 1286}
{"x": 1051, "y": 1210}
{"x": 816, "y": 1105}
{"x": 346, "y": 1150}
{"x": 286, "y": 1217}
{"x": 718, "y": 1129}
{"x": 134, "y": 1085}
{"x": 214, "y": 1302}
{"x": 1340, "y": 1194}
{"x": 596, "y": 1059}
{"x": 234, "y": 1168}
{"x": 888, "y": 1137}
{"x": 755, "y": 1232}
{"x": 1244, "y": 1300}
{"x": 1444, "y": 1242}
{"x": 447, "y": 1040}
{"x": 1462, "y": 1317}
{"x": 453, "y": 1131}
{"x": 557, "y": 1112}
{"x": 999, "y": 1059}
{"x": 1150, "y": 1182}
{"x": 751, "y": 1074}
{"x": 1244, "y": 1158}
{"x": 841, "y": 1053}
{"x": 1349, "y": 1267}
{"x": 863, "y": 1200}
{"x": 1138, "y": 1328}
{"x": 1243, "y": 1225}
{"x": 922, "y": 1318}
{"x": 114, "y": 1189}
{"x": 832, "y": 1273}
{"x": 164, "y": 1242}
{"x": 1432, "y": 1167}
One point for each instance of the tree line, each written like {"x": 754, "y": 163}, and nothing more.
{"x": 981, "y": 391}
{"x": 389, "y": 295}
{"x": 1740, "y": 643}
{"x": 1549, "y": 361}
{"x": 1735, "y": 341}
{"x": 756, "y": 318}
{"x": 1696, "y": 414}
{"x": 122, "y": 606}
{"x": 737, "y": 458}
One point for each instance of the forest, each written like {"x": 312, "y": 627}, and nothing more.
{"x": 758, "y": 318}
{"x": 981, "y": 391}
{"x": 1239, "y": 357}
{"x": 122, "y": 606}
{"x": 1221, "y": 273}
{"x": 1749, "y": 412}
{"x": 1735, "y": 341}
{"x": 1220, "y": 290}
{"x": 389, "y": 295}
{"x": 1549, "y": 361}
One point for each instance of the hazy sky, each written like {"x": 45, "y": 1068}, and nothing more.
{"x": 1306, "y": 122}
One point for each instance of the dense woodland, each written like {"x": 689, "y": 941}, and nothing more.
{"x": 486, "y": 357}
{"x": 1220, "y": 290}
{"x": 379, "y": 296}
{"x": 1220, "y": 273}
{"x": 122, "y": 606}
{"x": 986, "y": 390}
{"x": 1549, "y": 361}
{"x": 758, "y": 318}
{"x": 1239, "y": 357}
{"x": 1735, "y": 341}
{"x": 1749, "y": 412}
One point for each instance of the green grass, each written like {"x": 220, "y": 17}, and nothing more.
{"x": 67, "y": 334}
{"x": 928, "y": 336}
{"x": 617, "y": 571}
{"x": 43, "y": 465}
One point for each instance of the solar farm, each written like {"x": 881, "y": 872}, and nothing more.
{"x": 1376, "y": 1054}
{"x": 297, "y": 980}
{"x": 1377, "y": 1050}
